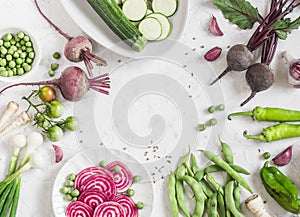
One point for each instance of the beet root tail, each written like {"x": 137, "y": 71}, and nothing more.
{"x": 220, "y": 76}
{"x": 253, "y": 93}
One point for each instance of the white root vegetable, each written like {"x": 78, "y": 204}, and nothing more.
{"x": 255, "y": 205}
{"x": 11, "y": 108}
{"x": 22, "y": 119}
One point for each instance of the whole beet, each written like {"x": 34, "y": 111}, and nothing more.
{"x": 259, "y": 77}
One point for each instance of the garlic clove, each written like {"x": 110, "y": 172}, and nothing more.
{"x": 214, "y": 27}
{"x": 284, "y": 157}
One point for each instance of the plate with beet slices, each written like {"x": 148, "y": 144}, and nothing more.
{"x": 101, "y": 182}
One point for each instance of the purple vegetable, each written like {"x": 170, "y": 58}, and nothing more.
{"x": 78, "y": 48}
{"x": 92, "y": 197}
{"x": 58, "y": 153}
{"x": 78, "y": 209}
{"x": 73, "y": 83}
{"x": 214, "y": 27}
{"x": 293, "y": 67}
{"x": 284, "y": 157}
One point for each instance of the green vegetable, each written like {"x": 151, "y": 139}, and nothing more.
{"x": 239, "y": 12}
{"x": 102, "y": 163}
{"x": 117, "y": 169}
{"x": 139, "y": 205}
{"x": 229, "y": 200}
{"x": 181, "y": 198}
{"x": 236, "y": 196}
{"x": 54, "y": 133}
{"x": 220, "y": 107}
{"x": 65, "y": 190}
{"x": 202, "y": 127}
{"x": 194, "y": 164}
{"x": 285, "y": 26}
{"x": 136, "y": 178}
{"x": 276, "y": 132}
{"x": 114, "y": 17}
{"x": 212, "y": 206}
{"x": 75, "y": 193}
{"x": 266, "y": 155}
{"x": 130, "y": 192}
{"x": 220, "y": 162}
{"x": 51, "y": 73}
{"x": 227, "y": 152}
{"x": 280, "y": 187}
{"x": 172, "y": 194}
{"x": 56, "y": 55}
{"x": 14, "y": 205}
{"x": 210, "y": 179}
{"x": 55, "y": 109}
{"x": 54, "y": 66}
{"x": 221, "y": 205}
{"x": 212, "y": 121}
{"x": 71, "y": 123}
{"x": 269, "y": 114}
{"x": 211, "y": 109}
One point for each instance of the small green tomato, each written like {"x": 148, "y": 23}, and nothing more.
{"x": 71, "y": 123}
{"x": 54, "y": 133}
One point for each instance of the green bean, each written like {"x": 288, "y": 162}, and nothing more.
{"x": 213, "y": 168}
{"x": 172, "y": 194}
{"x": 210, "y": 179}
{"x": 180, "y": 172}
{"x": 236, "y": 195}
{"x": 190, "y": 172}
{"x": 221, "y": 204}
{"x": 229, "y": 200}
{"x": 184, "y": 159}
{"x": 240, "y": 169}
{"x": 14, "y": 206}
{"x": 180, "y": 198}
{"x": 199, "y": 195}
{"x": 219, "y": 161}
{"x": 205, "y": 187}
{"x": 212, "y": 206}
{"x": 227, "y": 152}
{"x": 199, "y": 175}
{"x": 194, "y": 164}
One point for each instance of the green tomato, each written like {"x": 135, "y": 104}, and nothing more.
{"x": 55, "y": 109}
{"x": 54, "y": 133}
{"x": 47, "y": 93}
{"x": 71, "y": 123}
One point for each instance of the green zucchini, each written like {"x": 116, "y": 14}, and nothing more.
{"x": 115, "y": 19}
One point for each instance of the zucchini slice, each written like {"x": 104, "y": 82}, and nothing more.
{"x": 135, "y": 10}
{"x": 165, "y": 7}
{"x": 150, "y": 27}
{"x": 165, "y": 25}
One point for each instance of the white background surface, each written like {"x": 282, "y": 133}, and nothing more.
{"x": 35, "y": 200}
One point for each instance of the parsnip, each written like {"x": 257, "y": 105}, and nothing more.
{"x": 255, "y": 205}
{"x": 11, "y": 108}
{"x": 22, "y": 119}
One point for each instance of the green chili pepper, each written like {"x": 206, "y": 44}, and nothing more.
{"x": 280, "y": 187}
{"x": 276, "y": 132}
{"x": 220, "y": 162}
{"x": 270, "y": 114}
{"x": 172, "y": 194}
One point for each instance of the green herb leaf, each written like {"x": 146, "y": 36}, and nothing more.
{"x": 239, "y": 12}
{"x": 285, "y": 26}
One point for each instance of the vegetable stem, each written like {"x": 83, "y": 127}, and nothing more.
{"x": 258, "y": 137}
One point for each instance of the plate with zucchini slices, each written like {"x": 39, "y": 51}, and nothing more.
{"x": 130, "y": 27}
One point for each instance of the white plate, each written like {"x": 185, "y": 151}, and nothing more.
{"x": 89, "y": 21}
{"x": 92, "y": 157}
{"x": 154, "y": 108}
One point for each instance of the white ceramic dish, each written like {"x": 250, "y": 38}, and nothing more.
{"x": 92, "y": 157}
{"x": 36, "y": 48}
{"x": 89, "y": 21}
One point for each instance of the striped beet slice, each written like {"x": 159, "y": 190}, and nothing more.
{"x": 128, "y": 204}
{"x": 79, "y": 209}
{"x": 90, "y": 171}
{"x": 122, "y": 178}
{"x": 92, "y": 197}
{"x": 110, "y": 208}
{"x": 101, "y": 182}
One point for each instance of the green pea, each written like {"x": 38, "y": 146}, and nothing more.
{"x": 29, "y": 60}
{"x": 10, "y": 51}
{"x": 20, "y": 71}
{"x": 23, "y": 48}
{"x": 2, "y": 68}
{"x": 56, "y": 55}
{"x": 4, "y": 73}
{"x": 139, "y": 205}
{"x": 51, "y": 73}
{"x": 28, "y": 44}
{"x": 64, "y": 190}
{"x": 14, "y": 71}
{"x": 10, "y": 73}
{"x": 68, "y": 197}
{"x": 29, "y": 49}
{"x": 72, "y": 177}
{"x": 12, "y": 64}
{"x": 130, "y": 192}
{"x": 202, "y": 127}
{"x": 6, "y": 44}
{"x": 212, "y": 121}
{"x": 54, "y": 66}
{"x": 21, "y": 35}
{"x": 266, "y": 155}
{"x": 220, "y": 107}
{"x": 136, "y": 178}
{"x": 1, "y": 42}
{"x": 22, "y": 42}
{"x": 74, "y": 199}
{"x": 9, "y": 57}
{"x": 75, "y": 193}
{"x": 117, "y": 169}
{"x": 69, "y": 183}
{"x": 3, "y": 62}
{"x": 23, "y": 55}
{"x": 3, "y": 50}
{"x": 102, "y": 163}
{"x": 7, "y": 37}
{"x": 211, "y": 109}
{"x": 19, "y": 61}
{"x": 26, "y": 38}
{"x": 31, "y": 55}
{"x": 16, "y": 55}
{"x": 17, "y": 39}
{"x": 13, "y": 42}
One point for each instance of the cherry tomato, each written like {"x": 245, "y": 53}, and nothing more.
{"x": 55, "y": 109}
{"x": 47, "y": 93}
{"x": 71, "y": 123}
{"x": 55, "y": 133}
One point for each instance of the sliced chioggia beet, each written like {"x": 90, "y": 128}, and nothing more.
{"x": 128, "y": 205}
{"x": 109, "y": 208}
{"x": 78, "y": 209}
{"x": 93, "y": 197}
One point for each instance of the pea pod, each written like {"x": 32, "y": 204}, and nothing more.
{"x": 281, "y": 189}
{"x": 270, "y": 114}
{"x": 180, "y": 190}
{"x": 221, "y": 205}
{"x": 194, "y": 165}
{"x": 199, "y": 195}
{"x": 276, "y": 132}
{"x": 229, "y": 200}
{"x": 212, "y": 206}
{"x": 172, "y": 194}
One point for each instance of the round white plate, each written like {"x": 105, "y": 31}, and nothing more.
{"x": 92, "y": 157}
{"x": 154, "y": 108}
{"x": 92, "y": 24}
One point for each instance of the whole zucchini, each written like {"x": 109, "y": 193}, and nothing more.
{"x": 114, "y": 17}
